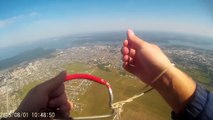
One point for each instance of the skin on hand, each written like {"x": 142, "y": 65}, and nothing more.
{"x": 143, "y": 59}
{"x": 147, "y": 61}
{"x": 48, "y": 96}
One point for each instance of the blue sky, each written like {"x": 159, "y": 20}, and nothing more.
{"x": 24, "y": 21}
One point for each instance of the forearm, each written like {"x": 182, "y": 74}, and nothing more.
{"x": 176, "y": 88}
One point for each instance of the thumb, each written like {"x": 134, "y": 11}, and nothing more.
{"x": 55, "y": 82}
{"x": 134, "y": 41}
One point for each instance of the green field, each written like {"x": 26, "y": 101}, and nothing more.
{"x": 151, "y": 106}
{"x": 148, "y": 107}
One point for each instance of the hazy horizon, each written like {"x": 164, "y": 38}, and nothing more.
{"x": 112, "y": 38}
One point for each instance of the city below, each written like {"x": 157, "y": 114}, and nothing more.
{"x": 13, "y": 81}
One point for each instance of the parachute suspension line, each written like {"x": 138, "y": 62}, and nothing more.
{"x": 118, "y": 106}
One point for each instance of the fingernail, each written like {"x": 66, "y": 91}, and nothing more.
{"x": 131, "y": 32}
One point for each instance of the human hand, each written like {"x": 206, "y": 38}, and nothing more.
{"x": 143, "y": 59}
{"x": 48, "y": 96}
{"x": 147, "y": 61}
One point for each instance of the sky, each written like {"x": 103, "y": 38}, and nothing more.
{"x": 25, "y": 21}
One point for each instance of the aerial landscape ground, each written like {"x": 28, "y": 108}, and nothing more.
{"x": 102, "y": 60}
{"x": 96, "y": 98}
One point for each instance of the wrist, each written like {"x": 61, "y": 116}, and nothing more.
{"x": 176, "y": 88}
{"x": 164, "y": 79}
